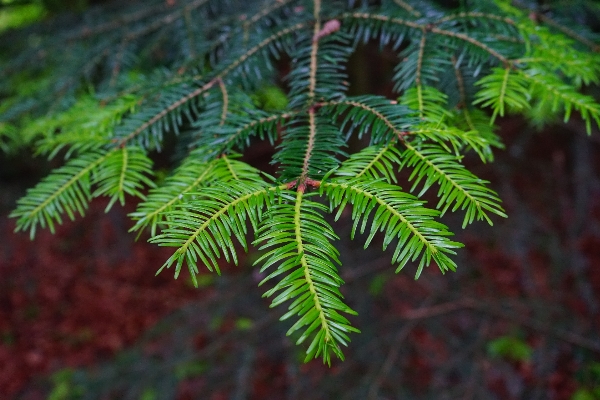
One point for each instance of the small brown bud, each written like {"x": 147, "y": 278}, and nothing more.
{"x": 329, "y": 27}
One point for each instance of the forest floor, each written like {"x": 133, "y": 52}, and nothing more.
{"x": 82, "y": 314}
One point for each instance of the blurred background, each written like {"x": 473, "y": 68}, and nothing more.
{"x": 83, "y": 316}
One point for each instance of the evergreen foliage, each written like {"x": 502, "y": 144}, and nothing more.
{"x": 116, "y": 83}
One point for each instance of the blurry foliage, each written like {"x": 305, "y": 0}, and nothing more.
{"x": 64, "y": 388}
{"x": 510, "y": 348}
{"x": 270, "y": 98}
{"x": 589, "y": 379}
{"x": 377, "y": 284}
{"x": 18, "y": 15}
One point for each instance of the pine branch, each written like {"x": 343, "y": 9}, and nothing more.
{"x": 459, "y": 188}
{"x": 503, "y": 89}
{"x": 124, "y": 171}
{"x": 401, "y": 216}
{"x": 558, "y": 95}
{"x": 373, "y": 162}
{"x": 299, "y": 241}
{"x": 204, "y": 226}
{"x": 192, "y": 176}
{"x": 180, "y": 99}
{"x": 66, "y": 190}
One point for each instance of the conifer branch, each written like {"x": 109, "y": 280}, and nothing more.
{"x": 230, "y": 167}
{"x": 312, "y": 82}
{"x": 382, "y": 18}
{"x": 197, "y": 92}
{"x": 204, "y": 226}
{"x": 66, "y": 189}
{"x": 216, "y": 83}
{"x": 147, "y": 214}
{"x": 248, "y": 127}
{"x": 298, "y": 239}
{"x": 568, "y": 31}
{"x": 408, "y": 7}
{"x": 472, "y": 41}
{"x": 463, "y": 96}
{"x": 458, "y": 187}
{"x": 418, "y": 72}
{"x": 306, "y": 269}
{"x": 158, "y": 116}
{"x": 312, "y": 126}
{"x": 399, "y": 217}
{"x": 476, "y": 14}
{"x": 223, "y": 89}
{"x": 428, "y": 28}
{"x": 269, "y": 9}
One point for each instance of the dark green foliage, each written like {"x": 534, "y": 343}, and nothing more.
{"x": 204, "y": 74}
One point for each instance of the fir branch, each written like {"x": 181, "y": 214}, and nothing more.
{"x": 187, "y": 177}
{"x": 549, "y": 89}
{"x": 124, "y": 171}
{"x": 77, "y": 129}
{"x": 469, "y": 15}
{"x": 207, "y": 223}
{"x": 473, "y": 41}
{"x": 229, "y": 68}
{"x": 206, "y": 79}
{"x": 223, "y": 89}
{"x": 265, "y": 11}
{"x": 66, "y": 190}
{"x": 309, "y": 150}
{"x": 443, "y": 32}
{"x": 193, "y": 175}
{"x": 298, "y": 239}
{"x": 400, "y": 215}
{"x": 503, "y": 88}
{"x": 373, "y": 162}
{"x": 164, "y": 111}
{"x": 381, "y": 118}
{"x": 411, "y": 10}
{"x": 238, "y": 129}
{"x": 165, "y": 20}
{"x": 459, "y": 189}
{"x": 568, "y": 31}
{"x": 314, "y": 49}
